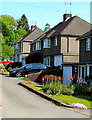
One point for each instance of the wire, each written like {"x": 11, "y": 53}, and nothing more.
{"x": 50, "y": 9}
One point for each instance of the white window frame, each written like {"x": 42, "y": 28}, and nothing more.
{"x": 55, "y": 41}
{"x": 46, "y": 61}
{"x": 38, "y": 45}
{"x": 88, "y": 44}
{"x": 46, "y": 43}
{"x": 17, "y": 45}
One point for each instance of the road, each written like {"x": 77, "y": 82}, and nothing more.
{"x": 18, "y": 102}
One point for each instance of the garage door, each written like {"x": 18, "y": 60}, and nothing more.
{"x": 67, "y": 72}
{"x": 58, "y": 60}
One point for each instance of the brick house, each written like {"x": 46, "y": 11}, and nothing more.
{"x": 85, "y": 67}
{"x": 22, "y": 46}
{"x": 58, "y": 46}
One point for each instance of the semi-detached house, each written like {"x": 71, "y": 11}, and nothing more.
{"x": 22, "y": 46}
{"x": 58, "y": 46}
{"x": 85, "y": 65}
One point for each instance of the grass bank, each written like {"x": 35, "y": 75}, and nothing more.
{"x": 68, "y": 99}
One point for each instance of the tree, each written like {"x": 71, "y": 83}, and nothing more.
{"x": 23, "y": 23}
{"x": 8, "y": 23}
{"x": 47, "y": 27}
{"x": 10, "y": 33}
{"x": 7, "y": 52}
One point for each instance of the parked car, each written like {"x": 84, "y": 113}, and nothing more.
{"x": 27, "y": 69}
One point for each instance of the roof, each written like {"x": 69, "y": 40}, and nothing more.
{"x": 73, "y": 26}
{"x": 31, "y": 36}
{"x": 87, "y": 34}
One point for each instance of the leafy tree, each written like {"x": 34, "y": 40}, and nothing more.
{"x": 8, "y": 23}
{"x": 7, "y": 52}
{"x": 47, "y": 27}
{"x": 11, "y": 31}
{"x": 23, "y": 23}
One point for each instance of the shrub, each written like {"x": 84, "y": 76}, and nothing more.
{"x": 51, "y": 88}
{"x": 68, "y": 89}
{"x": 1, "y": 66}
{"x": 9, "y": 69}
{"x": 83, "y": 89}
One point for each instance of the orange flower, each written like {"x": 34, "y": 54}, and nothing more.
{"x": 54, "y": 83}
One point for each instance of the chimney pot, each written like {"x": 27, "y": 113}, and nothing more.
{"x": 33, "y": 27}
{"x": 65, "y": 16}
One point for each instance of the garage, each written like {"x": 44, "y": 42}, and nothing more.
{"x": 67, "y": 72}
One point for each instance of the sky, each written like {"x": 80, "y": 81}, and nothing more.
{"x": 41, "y": 13}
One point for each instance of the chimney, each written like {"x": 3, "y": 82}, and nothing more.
{"x": 33, "y": 27}
{"x": 66, "y": 16}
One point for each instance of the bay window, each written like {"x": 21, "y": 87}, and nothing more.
{"x": 46, "y": 43}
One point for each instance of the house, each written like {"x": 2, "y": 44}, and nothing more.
{"x": 22, "y": 46}
{"x": 85, "y": 59}
{"x": 58, "y": 46}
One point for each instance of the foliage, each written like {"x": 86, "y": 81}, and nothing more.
{"x": 23, "y": 23}
{"x": 51, "y": 88}
{"x": 83, "y": 89}
{"x": 10, "y": 33}
{"x": 7, "y": 51}
{"x": 1, "y": 66}
{"x": 9, "y": 69}
{"x": 52, "y": 85}
{"x": 67, "y": 98}
{"x": 47, "y": 27}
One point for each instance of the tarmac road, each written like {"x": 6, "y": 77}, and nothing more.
{"x": 18, "y": 102}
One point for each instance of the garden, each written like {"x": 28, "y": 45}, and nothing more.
{"x": 69, "y": 94}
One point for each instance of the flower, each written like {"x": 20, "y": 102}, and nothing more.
{"x": 54, "y": 83}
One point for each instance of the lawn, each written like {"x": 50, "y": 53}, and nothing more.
{"x": 6, "y": 73}
{"x": 73, "y": 99}
{"x": 67, "y": 98}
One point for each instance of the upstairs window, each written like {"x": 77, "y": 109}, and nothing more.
{"x": 55, "y": 41}
{"x": 17, "y": 46}
{"x": 38, "y": 45}
{"x": 88, "y": 44}
{"x": 47, "y": 43}
{"x": 33, "y": 47}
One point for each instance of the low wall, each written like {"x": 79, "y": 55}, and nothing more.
{"x": 33, "y": 76}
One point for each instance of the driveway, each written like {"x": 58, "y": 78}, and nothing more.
{"x": 18, "y": 102}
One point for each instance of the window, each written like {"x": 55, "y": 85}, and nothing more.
{"x": 46, "y": 43}
{"x": 38, "y": 45}
{"x": 55, "y": 41}
{"x": 17, "y": 45}
{"x": 88, "y": 44}
{"x": 33, "y": 47}
{"x": 47, "y": 61}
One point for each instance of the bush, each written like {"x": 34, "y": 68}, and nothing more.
{"x": 83, "y": 89}
{"x": 51, "y": 88}
{"x": 56, "y": 89}
{"x": 9, "y": 69}
{"x": 1, "y": 66}
{"x": 68, "y": 89}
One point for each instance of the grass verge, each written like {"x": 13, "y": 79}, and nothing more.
{"x": 67, "y": 98}
{"x": 7, "y": 73}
